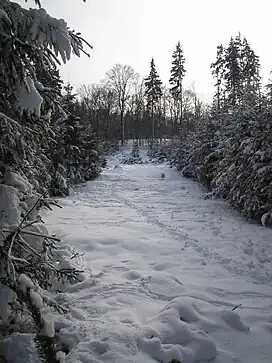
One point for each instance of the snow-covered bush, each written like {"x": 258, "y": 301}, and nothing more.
{"x": 161, "y": 152}
{"x": 110, "y": 147}
{"x": 134, "y": 157}
{"x": 78, "y": 156}
{"x": 30, "y": 265}
{"x": 232, "y": 157}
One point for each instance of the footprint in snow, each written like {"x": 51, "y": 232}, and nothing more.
{"x": 132, "y": 275}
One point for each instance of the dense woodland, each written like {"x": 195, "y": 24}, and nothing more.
{"x": 53, "y": 136}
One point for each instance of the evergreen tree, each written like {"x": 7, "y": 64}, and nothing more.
{"x": 177, "y": 74}
{"x": 269, "y": 92}
{"x": 233, "y": 74}
{"x": 153, "y": 94}
{"x": 230, "y": 152}
{"x": 218, "y": 72}
{"x": 76, "y": 156}
{"x": 237, "y": 73}
{"x": 29, "y": 83}
{"x": 250, "y": 74}
{"x": 30, "y": 94}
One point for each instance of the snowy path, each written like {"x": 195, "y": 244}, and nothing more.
{"x": 150, "y": 244}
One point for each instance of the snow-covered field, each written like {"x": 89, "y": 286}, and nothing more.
{"x": 164, "y": 269}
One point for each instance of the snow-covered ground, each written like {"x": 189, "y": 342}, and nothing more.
{"x": 164, "y": 269}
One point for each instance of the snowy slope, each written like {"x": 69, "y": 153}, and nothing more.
{"x": 164, "y": 269}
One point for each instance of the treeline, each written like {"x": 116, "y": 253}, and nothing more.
{"x": 123, "y": 106}
{"x": 230, "y": 150}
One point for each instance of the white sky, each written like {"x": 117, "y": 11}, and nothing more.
{"x": 132, "y": 31}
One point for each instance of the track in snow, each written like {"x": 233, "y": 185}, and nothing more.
{"x": 149, "y": 241}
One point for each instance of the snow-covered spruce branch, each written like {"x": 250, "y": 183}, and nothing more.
{"x": 27, "y": 269}
{"x": 20, "y": 230}
{"x": 45, "y": 338}
{"x": 8, "y": 121}
{"x": 32, "y": 43}
{"x": 39, "y": 3}
{"x": 40, "y": 30}
{"x": 36, "y": 263}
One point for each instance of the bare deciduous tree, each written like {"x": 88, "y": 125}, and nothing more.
{"x": 121, "y": 79}
{"x": 100, "y": 102}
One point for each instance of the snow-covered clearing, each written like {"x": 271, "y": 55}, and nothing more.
{"x": 164, "y": 269}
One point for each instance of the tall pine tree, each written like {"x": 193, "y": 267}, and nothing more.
{"x": 177, "y": 74}
{"x": 233, "y": 75}
{"x": 218, "y": 69}
{"x": 153, "y": 94}
{"x": 250, "y": 75}
{"x": 237, "y": 73}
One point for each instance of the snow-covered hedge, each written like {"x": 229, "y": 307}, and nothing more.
{"x": 232, "y": 156}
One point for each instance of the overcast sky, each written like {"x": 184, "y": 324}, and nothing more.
{"x": 133, "y": 31}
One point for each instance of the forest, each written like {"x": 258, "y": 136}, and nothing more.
{"x": 53, "y": 136}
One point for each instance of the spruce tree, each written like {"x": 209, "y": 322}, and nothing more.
{"x": 233, "y": 74}
{"x": 268, "y": 88}
{"x": 250, "y": 74}
{"x": 29, "y": 83}
{"x": 177, "y": 74}
{"x": 218, "y": 69}
{"x": 31, "y": 42}
{"x": 76, "y": 156}
{"x": 237, "y": 73}
{"x": 153, "y": 93}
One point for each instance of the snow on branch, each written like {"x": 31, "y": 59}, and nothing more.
{"x": 43, "y": 31}
{"x": 30, "y": 264}
{"x": 28, "y": 97}
{"x": 32, "y": 42}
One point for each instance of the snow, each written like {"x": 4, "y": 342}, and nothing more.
{"x": 48, "y": 326}
{"x": 19, "y": 348}
{"x": 60, "y": 357}
{"x": 266, "y": 218}
{"x": 10, "y": 212}
{"x": 30, "y": 202}
{"x": 6, "y": 297}
{"x": 28, "y": 98}
{"x": 24, "y": 283}
{"x": 36, "y": 299}
{"x": 172, "y": 335}
{"x": 165, "y": 271}
{"x": 17, "y": 181}
{"x": 48, "y": 30}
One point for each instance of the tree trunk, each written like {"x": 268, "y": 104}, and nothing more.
{"x": 122, "y": 123}
{"x": 153, "y": 123}
{"x": 181, "y": 111}
{"x": 122, "y": 128}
